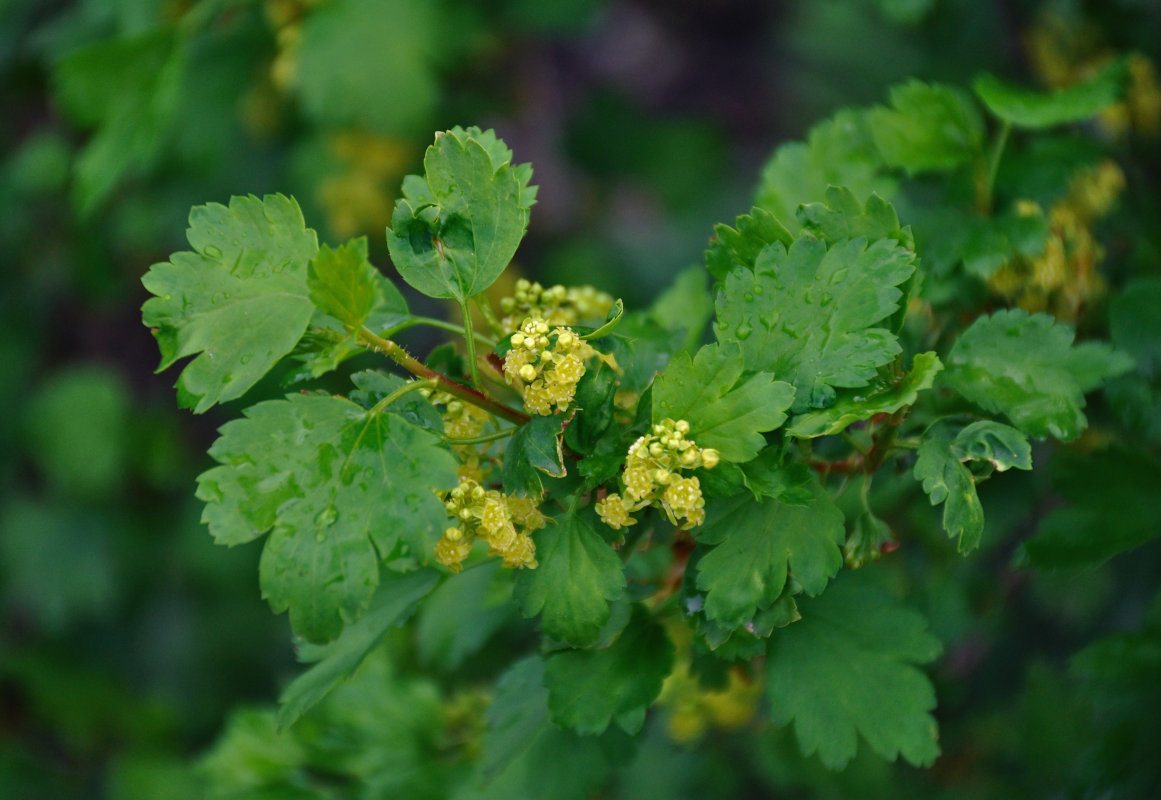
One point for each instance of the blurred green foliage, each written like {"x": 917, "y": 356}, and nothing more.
{"x": 127, "y": 638}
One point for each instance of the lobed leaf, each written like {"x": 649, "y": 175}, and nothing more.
{"x": 757, "y": 544}
{"x": 946, "y": 480}
{"x": 588, "y": 689}
{"x": 579, "y": 574}
{"x": 455, "y": 230}
{"x": 809, "y": 315}
{"x": 851, "y": 407}
{"x": 740, "y": 246}
{"x": 534, "y": 448}
{"x": 723, "y": 412}
{"x": 340, "y": 489}
{"x": 1027, "y": 368}
{"x": 841, "y": 216}
{"x": 238, "y": 300}
{"x": 343, "y": 283}
{"x": 928, "y": 128}
{"x": 847, "y": 669}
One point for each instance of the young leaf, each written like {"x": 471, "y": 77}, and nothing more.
{"x": 929, "y": 128}
{"x": 373, "y": 386}
{"x": 946, "y": 480}
{"x": 341, "y": 489}
{"x": 343, "y": 283}
{"x": 847, "y": 669}
{"x": 987, "y": 440}
{"x": 396, "y": 598}
{"x": 740, "y": 248}
{"x": 806, "y": 314}
{"x": 578, "y": 575}
{"x": 1112, "y": 507}
{"x": 535, "y": 447}
{"x": 842, "y": 216}
{"x": 852, "y": 407}
{"x": 1026, "y": 367}
{"x": 757, "y": 543}
{"x": 588, "y": 689}
{"x": 239, "y": 299}
{"x": 1026, "y": 108}
{"x": 722, "y": 413}
{"x": 455, "y": 231}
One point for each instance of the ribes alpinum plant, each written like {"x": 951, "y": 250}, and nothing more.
{"x": 683, "y": 501}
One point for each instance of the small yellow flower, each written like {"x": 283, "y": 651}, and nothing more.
{"x": 491, "y": 516}
{"x": 546, "y": 365}
{"x": 614, "y": 512}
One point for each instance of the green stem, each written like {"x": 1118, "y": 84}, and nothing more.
{"x": 470, "y": 343}
{"x": 985, "y": 199}
{"x": 443, "y": 382}
{"x": 489, "y": 315}
{"x": 410, "y": 386}
{"x": 854, "y": 443}
{"x": 487, "y": 437}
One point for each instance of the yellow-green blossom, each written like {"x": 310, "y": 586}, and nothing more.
{"x": 556, "y": 305}
{"x": 492, "y": 516}
{"x": 545, "y": 364}
{"x": 652, "y": 477}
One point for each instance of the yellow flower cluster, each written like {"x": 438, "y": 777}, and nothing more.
{"x": 546, "y": 365}
{"x": 556, "y": 305}
{"x": 462, "y": 421}
{"x": 492, "y": 516}
{"x": 653, "y": 477}
{"x": 1064, "y": 277}
{"x": 693, "y": 709}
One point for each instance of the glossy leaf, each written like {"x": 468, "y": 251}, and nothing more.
{"x": 852, "y": 407}
{"x": 455, "y": 230}
{"x": 238, "y": 300}
{"x": 1027, "y": 367}
{"x": 723, "y": 411}
{"x": 757, "y": 544}
{"x": 341, "y": 490}
{"x": 811, "y": 316}
{"x": 579, "y": 574}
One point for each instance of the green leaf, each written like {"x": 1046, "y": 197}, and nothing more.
{"x": 757, "y": 544}
{"x": 1026, "y": 367}
{"x": 588, "y": 689}
{"x": 847, "y": 669}
{"x": 723, "y": 413}
{"x": 1111, "y": 507}
{"x": 462, "y": 614}
{"x": 807, "y": 314}
{"x": 852, "y": 407}
{"x": 373, "y": 386}
{"x": 342, "y": 491}
{"x": 343, "y": 283}
{"x": 839, "y": 152}
{"x": 946, "y": 480}
{"x": 612, "y": 319}
{"x": 1135, "y": 327}
{"x": 841, "y": 216}
{"x": 394, "y": 602}
{"x": 455, "y": 231}
{"x": 239, "y": 299}
{"x": 517, "y": 714}
{"x": 1026, "y": 108}
{"x": 578, "y": 575}
{"x": 594, "y": 398}
{"x": 740, "y": 247}
{"x": 534, "y": 448}
{"x": 986, "y": 440}
{"x": 929, "y": 128}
